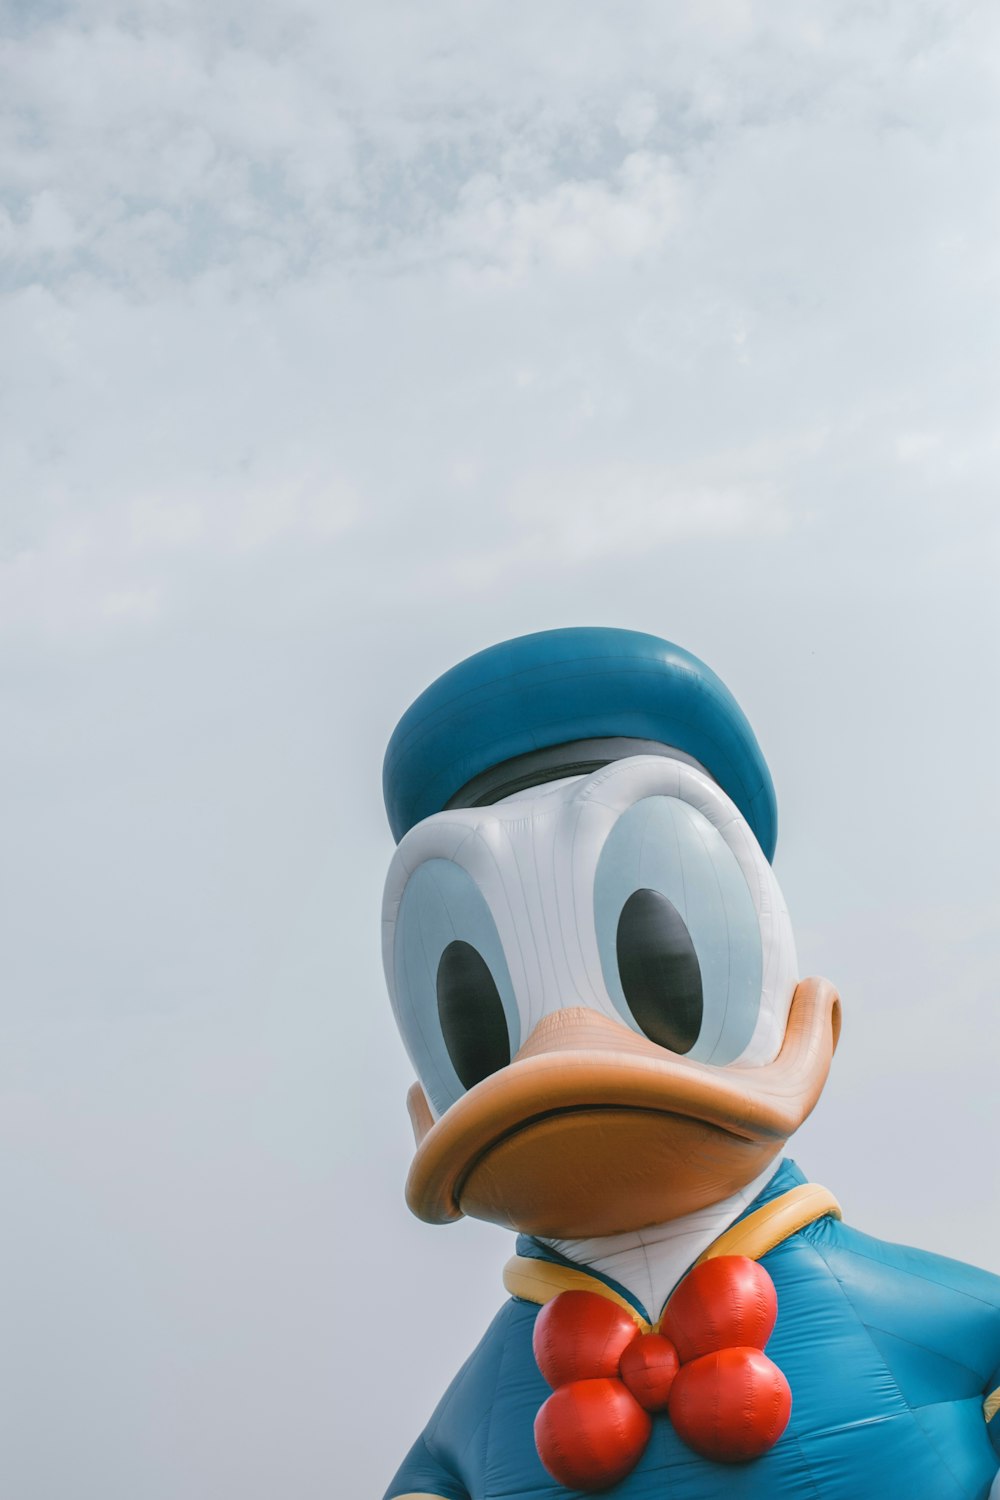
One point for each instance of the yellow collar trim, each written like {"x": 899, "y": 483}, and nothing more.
{"x": 992, "y": 1404}
{"x": 541, "y": 1280}
{"x": 774, "y": 1222}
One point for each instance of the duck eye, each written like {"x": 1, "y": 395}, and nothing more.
{"x": 450, "y": 983}
{"x": 678, "y": 931}
{"x": 471, "y": 1013}
{"x": 659, "y": 971}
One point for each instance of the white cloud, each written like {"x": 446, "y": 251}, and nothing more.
{"x": 136, "y": 604}
{"x": 637, "y": 117}
{"x": 573, "y": 226}
{"x": 566, "y": 517}
{"x": 121, "y": 564}
{"x": 49, "y": 227}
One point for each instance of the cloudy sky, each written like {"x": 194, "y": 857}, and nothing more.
{"x": 339, "y": 341}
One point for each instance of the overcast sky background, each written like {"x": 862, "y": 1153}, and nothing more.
{"x": 338, "y": 342}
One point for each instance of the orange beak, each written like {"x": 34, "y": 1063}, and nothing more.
{"x": 593, "y": 1129}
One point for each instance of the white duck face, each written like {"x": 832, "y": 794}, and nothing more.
{"x": 593, "y": 980}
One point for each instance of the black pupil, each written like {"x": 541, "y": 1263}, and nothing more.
{"x": 471, "y": 1013}
{"x": 659, "y": 970}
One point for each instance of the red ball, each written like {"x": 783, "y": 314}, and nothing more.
{"x": 648, "y": 1367}
{"x": 590, "y": 1434}
{"x": 725, "y": 1303}
{"x": 730, "y": 1406}
{"x": 581, "y": 1336}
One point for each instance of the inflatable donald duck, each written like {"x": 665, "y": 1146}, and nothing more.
{"x": 593, "y": 971}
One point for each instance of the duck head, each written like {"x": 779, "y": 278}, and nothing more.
{"x": 588, "y": 955}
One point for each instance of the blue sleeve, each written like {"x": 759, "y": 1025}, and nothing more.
{"x": 919, "y": 1307}
{"x": 448, "y": 1459}
{"x": 421, "y": 1473}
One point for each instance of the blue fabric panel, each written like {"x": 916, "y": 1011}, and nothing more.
{"x": 561, "y": 685}
{"x": 453, "y": 1444}
{"x": 512, "y": 1465}
{"x": 921, "y": 1374}
{"x": 958, "y": 1432}
{"x": 946, "y": 1307}
{"x": 879, "y": 1458}
{"x": 822, "y": 1347}
{"x": 421, "y": 1473}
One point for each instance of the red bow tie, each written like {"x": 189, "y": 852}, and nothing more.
{"x": 703, "y": 1364}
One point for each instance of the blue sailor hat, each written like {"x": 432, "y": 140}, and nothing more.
{"x": 563, "y": 703}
